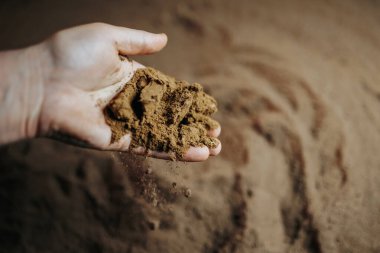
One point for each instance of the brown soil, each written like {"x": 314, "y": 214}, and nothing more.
{"x": 297, "y": 85}
{"x": 162, "y": 114}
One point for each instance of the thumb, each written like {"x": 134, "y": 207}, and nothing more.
{"x": 137, "y": 42}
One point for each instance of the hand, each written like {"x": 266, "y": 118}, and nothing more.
{"x": 82, "y": 72}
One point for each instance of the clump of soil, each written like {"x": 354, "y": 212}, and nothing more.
{"x": 162, "y": 114}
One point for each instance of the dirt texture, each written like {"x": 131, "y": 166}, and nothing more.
{"x": 297, "y": 85}
{"x": 162, "y": 114}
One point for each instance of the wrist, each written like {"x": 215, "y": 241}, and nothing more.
{"x": 21, "y": 92}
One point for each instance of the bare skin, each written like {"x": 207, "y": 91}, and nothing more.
{"x": 59, "y": 88}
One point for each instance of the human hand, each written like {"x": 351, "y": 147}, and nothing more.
{"x": 82, "y": 72}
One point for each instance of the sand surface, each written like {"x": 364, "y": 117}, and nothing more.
{"x": 298, "y": 87}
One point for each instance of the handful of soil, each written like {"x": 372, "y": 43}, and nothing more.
{"x": 162, "y": 114}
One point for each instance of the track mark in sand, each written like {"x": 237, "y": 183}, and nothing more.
{"x": 339, "y": 163}
{"x": 371, "y": 114}
{"x": 296, "y": 214}
{"x": 277, "y": 79}
{"x": 225, "y": 35}
{"x": 259, "y": 129}
{"x": 257, "y": 51}
{"x": 243, "y": 102}
{"x": 189, "y": 20}
{"x": 284, "y": 83}
{"x": 331, "y": 158}
{"x": 239, "y": 212}
{"x": 371, "y": 91}
{"x": 318, "y": 107}
{"x": 250, "y": 107}
{"x": 229, "y": 241}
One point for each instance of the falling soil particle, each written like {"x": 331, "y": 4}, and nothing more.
{"x": 162, "y": 114}
{"x": 187, "y": 193}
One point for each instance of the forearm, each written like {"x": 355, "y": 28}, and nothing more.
{"x": 21, "y": 93}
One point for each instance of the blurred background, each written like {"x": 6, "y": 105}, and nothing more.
{"x": 298, "y": 88}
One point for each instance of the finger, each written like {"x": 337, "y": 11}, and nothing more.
{"x": 137, "y": 42}
{"x": 121, "y": 145}
{"x": 194, "y": 154}
{"x": 215, "y": 132}
{"x": 216, "y": 151}
{"x": 139, "y": 151}
{"x": 99, "y": 137}
{"x": 155, "y": 154}
{"x": 102, "y": 97}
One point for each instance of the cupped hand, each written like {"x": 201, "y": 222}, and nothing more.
{"x": 82, "y": 72}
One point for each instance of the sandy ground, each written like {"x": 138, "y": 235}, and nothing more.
{"x": 298, "y": 87}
